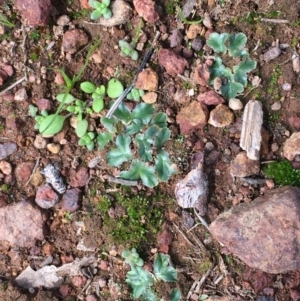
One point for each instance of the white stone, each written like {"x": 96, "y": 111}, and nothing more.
{"x": 235, "y": 104}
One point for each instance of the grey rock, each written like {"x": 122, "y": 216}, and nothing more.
{"x": 263, "y": 233}
{"x": 53, "y": 177}
{"x": 70, "y": 200}
{"x": 17, "y": 219}
{"x": 176, "y": 38}
{"x": 271, "y": 54}
{"x": 7, "y": 149}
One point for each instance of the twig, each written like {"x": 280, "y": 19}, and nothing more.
{"x": 184, "y": 236}
{"x": 201, "y": 219}
{"x": 286, "y": 61}
{"x": 278, "y": 21}
{"x": 121, "y": 181}
{"x": 13, "y": 85}
{"x": 33, "y": 171}
{"x": 126, "y": 91}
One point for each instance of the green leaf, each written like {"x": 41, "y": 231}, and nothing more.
{"x": 143, "y": 111}
{"x": 160, "y": 120}
{"x": 96, "y": 14}
{"x": 109, "y": 123}
{"x": 186, "y": 21}
{"x": 32, "y": 110}
{"x": 217, "y": 42}
{"x": 217, "y": 69}
{"x": 245, "y": 66}
{"x": 231, "y": 89}
{"x": 162, "y": 136}
{"x": 203, "y": 297}
{"x": 107, "y": 14}
{"x": 52, "y": 125}
{"x": 134, "y": 127}
{"x": 98, "y": 105}
{"x": 163, "y": 166}
{"x": 162, "y": 269}
{"x": 87, "y": 87}
{"x": 81, "y": 128}
{"x": 122, "y": 153}
{"x": 151, "y": 132}
{"x": 103, "y": 139}
{"x": 123, "y": 113}
{"x": 90, "y": 146}
{"x": 106, "y": 2}
{"x": 236, "y": 44}
{"x": 140, "y": 170}
{"x": 240, "y": 77}
{"x": 114, "y": 88}
{"x": 68, "y": 99}
{"x": 144, "y": 150}
{"x": 175, "y": 295}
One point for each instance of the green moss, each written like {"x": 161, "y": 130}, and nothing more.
{"x": 273, "y": 90}
{"x": 4, "y": 187}
{"x": 139, "y": 222}
{"x": 283, "y": 173}
{"x": 171, "y": 7}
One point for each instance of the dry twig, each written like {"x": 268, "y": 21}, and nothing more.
{"x": 33, "y": 171}
{"x": 277, "y": 21}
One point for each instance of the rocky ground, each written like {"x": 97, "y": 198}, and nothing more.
{"x": 225, "y": 76}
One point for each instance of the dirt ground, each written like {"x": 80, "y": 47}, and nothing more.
{"x": 160, "y": 224}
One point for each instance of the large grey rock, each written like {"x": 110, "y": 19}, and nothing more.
{"x": 265, "y": 232}
{"x": 21, "y": 224}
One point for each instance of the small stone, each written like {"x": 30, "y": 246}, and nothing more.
{"x": 78, "y": 281}
{"x": 287, "y": 87}
{"x": 147, "y": 80}
{"x": 79, "y": 178}
{"x": 63, "y": 20}
{"x": 40, "y": 142}
{"x": 210, "y": 98}
{"x": 274, "y": 147}
{"x": 291, "y": 147}
{"x": 37, "y": 179}
{"x": 271, "y": 54}
{"x": 5, "y": 167}
{"x": 221, "y": 116}
{"x": 235, "y": 104}
{"x": 173, "y": 63}
{"x": 8, "y": 69}
{"x": 121, "y": 14}
{"x": 194, "y": 30}
{"x": 276, "y": 106}
{"x": 192, "y": 117}
{"x": 44, "y": 104}
{"x": 48, "y": 248}
{"x": 23, "y": 171}
{"x": 91, "y": 297}
{"x": 207, "y": 22}
{"x": 59, "y": 80}
{"x": 294, "y": 122}
{"x": 97, "y": 57}
{"x": 54, "y": 148}
{"x": 16, "y": 220}
{"x": 268, "y": 221}
{"x": 46, "y": 197}
{"x": 176, "y": 38}
{"x": 34, "y": 12}
{"x": 70, "y": 200}
{"x": 197, "y": 44}
{"x": 202, "y": 74}
{"x": 187, "y": 53}
{"x": 150, "y": 97}
{"x": 147, "y": 10}
{"x": 21, "y": 95}
{"x": 73, "y": 39}
{"x": 242, "y": 166}
{"x": 7, "y": 149}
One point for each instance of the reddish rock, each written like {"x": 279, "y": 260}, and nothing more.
{"x": 242, "y": 166}
{"x": 192, "y": 117}
{"x": 73, "y": 39}
{"x": 70, "y": 200}
{"x": 79, "y": 178}
{"x": 7, "y": 149}
{"x": 8, "y": 69}
{"x": 295, "y": 295}
{"x": 210, "y": 98}
{"x": 46, "y": 197}
{"x": 221, "y": 116}
{"x": 164, "y": 239}
{"x": 23, "y": 171}
{"x": 147, "y": 10}
{"x": 44, "y": 104}
{"x": 294, "y": 122}
{"x": 262, "y": 232}
{"x": 65, "y": 290}
{"x": 291, "y": 147}
{"x": 34, "y": 12}
{"x": 78, "y": 281}
{"x": 16, "y": 220}
{"x": 3, "y": 77}
{"x": 202, "y": 74}
{"x": 173, "y": 63}
{"x": 147, "y": 80}
{"x": 85, "y": 4}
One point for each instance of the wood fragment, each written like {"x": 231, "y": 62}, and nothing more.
{"x": 33, "y": 171}
{"x": 277, "y": 21}
{"x": 13, "y": 85}
{"x": 251, "y": 129}
{"x": 121, "y": 181}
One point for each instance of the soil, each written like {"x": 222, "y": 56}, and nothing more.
{"x": 192, "y": 250}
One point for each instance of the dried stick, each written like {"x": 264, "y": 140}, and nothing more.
{"x": 126, "y": 91}
{"x": 13, "y": 85}
{"x": 33, "y": 171}
{"x": 121, "y": 181}
{"x": 201, "y": 219}
{"x": 184, "y": 236}
{"x": 278, "y": 21}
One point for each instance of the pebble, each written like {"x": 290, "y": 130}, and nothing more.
{"x": 197, "y": 44}
{"x": 176, "y": 38}
{"x": 147, "y": 80}
{"x": 287, "y": 87}
{"x": 210, "y": 98}
{"x": 79, "y": 178}
{"x": 21, "y": 95}
{"x": 271, "y": 54}
{"x": 70, "y": 200}
{"x": 63, "y": 20}
{"x": 54, "y": 148}
{"x": 149, "y": 97}
{"x": 23, "y": 171}
{"x": 241, "y": 166}
{"x": 235, "y": 104}
{"x": 276, "y": 106}
{"x": 221, "y": 116}
{"x": 44, "y": 104}
{"x": 274, "y": 147}
{"x": 147, "y": 10}
{"x": 40, "y": 142}
{"x": 5, "y": 167}
{"x": 194, "y": 30}
{"x": 7, "y": 149}
{"x": 46, "y": 197}
{"x": 73, "y": 39}
{"x": 291, "y": 147}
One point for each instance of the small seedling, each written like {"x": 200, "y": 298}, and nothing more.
{"x": 4, "y": 21}
{"x": 101, "y": 9}
{"x": 114, "y": 88}
{"x": 98, "y": 94}
{"x": 236, "y": 80}
{"x": 185, "y": 20}
{"x": 142, "y": 281}
{"x": 135, "y": 94}
{"x": 128, "y": 49}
